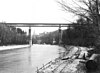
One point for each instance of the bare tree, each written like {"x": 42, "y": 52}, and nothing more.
{"x": 87, "y": 9}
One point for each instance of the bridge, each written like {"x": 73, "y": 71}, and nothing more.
{"x": 41, "y": 25}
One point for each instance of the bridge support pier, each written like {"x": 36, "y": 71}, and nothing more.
{"x": 60, "y": 35}
{"x": 30, "y": 37}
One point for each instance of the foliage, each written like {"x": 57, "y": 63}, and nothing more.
{"x": 82, "y": 35}
{"x": 88, "y": 11}
{"x": 48, "y": 38}
{"x": 12, "y": 35}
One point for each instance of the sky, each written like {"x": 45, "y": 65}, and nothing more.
{"x": 34, "y": 11}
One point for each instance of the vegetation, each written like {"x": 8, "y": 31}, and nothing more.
{"x": 12, "y": 35}
{"x": 79, "y": 36}
{"x": 48, "y": 38}
{"x": 88, "y": 31}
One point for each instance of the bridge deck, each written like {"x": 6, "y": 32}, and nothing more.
{"x": 40, "y": 24}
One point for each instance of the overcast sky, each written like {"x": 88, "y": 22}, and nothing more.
{"x": 33, "y": 11}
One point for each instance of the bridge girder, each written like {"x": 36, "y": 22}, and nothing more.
{"x": 40, "y": 24}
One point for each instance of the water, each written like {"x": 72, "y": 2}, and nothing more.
{"x": 26, "y": 60}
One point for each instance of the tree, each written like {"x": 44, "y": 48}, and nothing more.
{"x": 88, "y": 12}
{"x": 49, "y": 37}
{"x": 88, "y": 9}
{"x": 20, "y": 31}
{"x": 10, "y": 35}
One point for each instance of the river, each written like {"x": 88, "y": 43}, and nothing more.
{"x": 27, "y": 60}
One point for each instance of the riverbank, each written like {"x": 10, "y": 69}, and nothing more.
{"x": 11, "y": 47}
{"x": 83, "y": 63}
{"x": 72, "y": 60}
{"x": 66, "y": 63}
